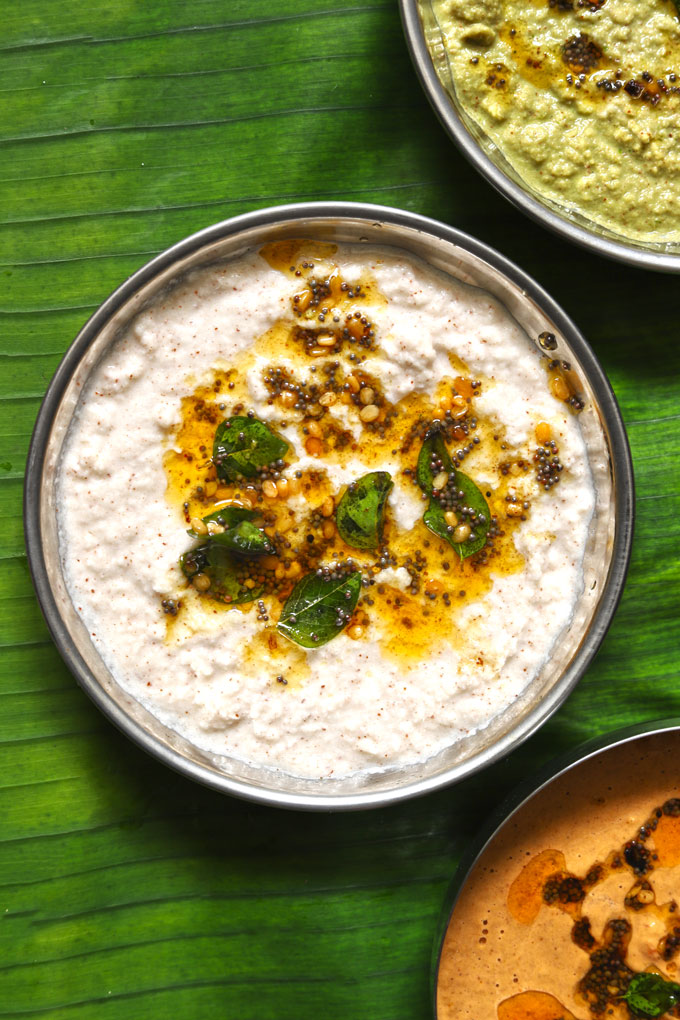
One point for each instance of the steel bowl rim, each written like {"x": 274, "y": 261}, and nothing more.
{"x": 452, "y": 123}
{"x": 623, "y": 491}
{"x": 515, "y": 801}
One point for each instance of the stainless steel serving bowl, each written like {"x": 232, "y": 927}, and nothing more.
{"x": 509, "y": 812}
{"x": 464, "y": 258}
{"x": 428, "y": 53}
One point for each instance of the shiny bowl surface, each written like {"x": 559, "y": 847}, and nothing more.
{"x": 607, "y": 551}
{"x": 428, "y": 54}
{"x": 519, "y": 798}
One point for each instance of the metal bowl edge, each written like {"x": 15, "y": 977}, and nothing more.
{"x": 443, "y": 107}
{"x": 613, "y": 423}
{"x": 514, "y": 802}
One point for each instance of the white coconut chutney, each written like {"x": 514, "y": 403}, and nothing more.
{"x": 349, "y": 355}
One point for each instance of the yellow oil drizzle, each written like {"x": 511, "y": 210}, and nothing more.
{"x": 545, "y": 70}
{"x": 270, "y": 654}
{"x": 408, "y": 624}
{"x": 533, "y": 1005}
{"x": 545, "y": 883}
{"x": 187, "y": 462}
{"x": 285, "y": 255}
{"x": 667, "y": 841}
{"x": 536, "y": 66}
{"x": 194, "y": 614}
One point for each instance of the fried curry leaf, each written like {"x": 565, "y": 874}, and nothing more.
{"x": 360, "y": 515}
{"x": 318, "y": 608}
{"x": 195, "y": 561}
{"x": 228, "y": 517}
{"x": 473, "y": 499}
{"x": 460, "y": 492}
{"x": 244, "y": 445}
{"x": 650, "y": 995}
{"x": 245, "y": 540}
{"x": 216, "y": 561}
{"x": 433, "y": 445}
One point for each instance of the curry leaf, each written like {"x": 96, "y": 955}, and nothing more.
{"x": 245, "y": 540}
{"x": 360, "y": 512}
{"x": 228, "y": 517}
{"x": 458, "y": 494}
{"x": 226, "y": 575}
{"x": 472, "y": 499}
{"x": 244, "y": 445}
{"x": 650, "y": 995}
{"x": 318, "y": 608}
{"x": 433, "y": 446}
{"x": 195, "y": 561}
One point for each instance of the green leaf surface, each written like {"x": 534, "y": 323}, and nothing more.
{"x": 651, "y": 995}
{"x": 227, "y": 516}
{"x": 244, "y": 445}
{"x": 464, "y": 494}
{"x": 128, "y": 891}
{"x": 360, "y": 514}
{"x": 216, "y": 559}
{"x": 244, "y": 540}
{"x": 318, "y": 608}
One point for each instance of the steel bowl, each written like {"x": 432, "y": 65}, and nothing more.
{"x": 608, "y": 545}
{"x": 424, "y": 39}
{"x": 509, "y": 813}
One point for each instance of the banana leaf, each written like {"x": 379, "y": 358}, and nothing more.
{"x": 126, "y": 890}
